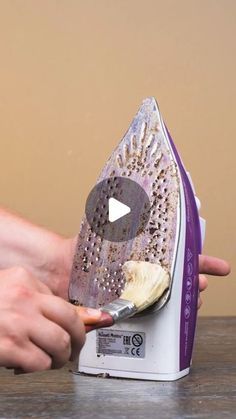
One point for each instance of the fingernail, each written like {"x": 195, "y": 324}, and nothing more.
{"x": 106, "y": 320}
{"x": 92, "y": 312}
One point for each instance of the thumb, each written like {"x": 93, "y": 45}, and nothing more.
{"x": 94, "y": 319}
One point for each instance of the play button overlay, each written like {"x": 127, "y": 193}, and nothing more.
{"x": 117, "y": 209}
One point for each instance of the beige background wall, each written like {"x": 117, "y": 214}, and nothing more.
{"x": 73, "y": 74}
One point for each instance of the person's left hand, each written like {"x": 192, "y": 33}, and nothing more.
{"x": 209, "y": 265}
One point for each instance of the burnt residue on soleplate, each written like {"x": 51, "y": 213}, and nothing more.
{"x": 144, "y": 157}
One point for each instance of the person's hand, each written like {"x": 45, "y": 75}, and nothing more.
{"x": 44, "y": 254}
{"x": 209, "y": 265}
{"x": 38, "y": 330}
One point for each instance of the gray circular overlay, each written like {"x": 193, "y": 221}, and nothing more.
{"x": 127, "y": 192}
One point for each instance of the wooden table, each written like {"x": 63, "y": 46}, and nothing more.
{"x": 208, "y": 392}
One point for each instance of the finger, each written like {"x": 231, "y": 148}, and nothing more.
{"x": 27, "y": 358}
{"x": 65, "y": 315}
{"x": 213, "y": 266}
{"x": 89, "y": 315}
{"x": 52, "y": 339}
{"x": 203, "y": 283}
{"x": 199, "y": 303}
{"x": 34, "y": 359}
{"x": 43, "y": 288}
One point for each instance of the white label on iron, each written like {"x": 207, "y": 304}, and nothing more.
{"x": 120, "y": 343}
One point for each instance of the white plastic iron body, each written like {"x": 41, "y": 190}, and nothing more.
{"x": 157, "y": 344}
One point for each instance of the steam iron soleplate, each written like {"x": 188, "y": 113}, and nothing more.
{"x": 142, "y": 157}
{"x": 158, "y": 344}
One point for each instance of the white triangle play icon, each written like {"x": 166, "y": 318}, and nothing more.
{"x": 116, "y": 209}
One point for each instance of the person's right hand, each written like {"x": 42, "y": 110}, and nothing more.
{"x": 38, "y": 330}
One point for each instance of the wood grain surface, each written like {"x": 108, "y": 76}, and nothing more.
{"x": 208, "y": 392}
